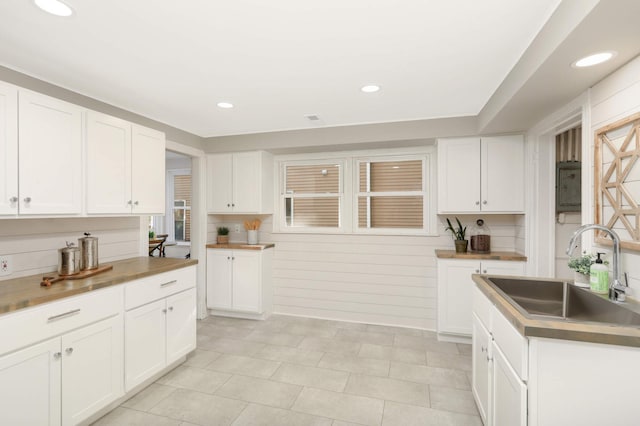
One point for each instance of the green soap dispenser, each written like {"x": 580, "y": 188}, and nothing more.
{"x": 599, "y": 280}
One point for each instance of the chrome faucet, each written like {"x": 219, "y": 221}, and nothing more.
{"x": 616, "y": 289}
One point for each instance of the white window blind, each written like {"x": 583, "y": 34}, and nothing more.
{"x": 391, "y": 194}
{"x": 311, "y": 195}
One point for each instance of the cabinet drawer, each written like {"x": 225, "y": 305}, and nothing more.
{"x": 482, "y": 307}
{"x": 42, "y": 322}
{"x": 511, "y": 342}
{"x": 146, "y": 290}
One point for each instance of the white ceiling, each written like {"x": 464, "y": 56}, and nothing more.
{"x": 275, "y": 60}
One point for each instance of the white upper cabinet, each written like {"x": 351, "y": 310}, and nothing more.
{"x": 8, "y": 149}
{"x": 125, "y": 167}
{"x": 481, "y": 175}
{"x": 50, "y": 155}
{"x": 240, "y": 183}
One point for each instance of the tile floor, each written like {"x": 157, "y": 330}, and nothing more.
{"x": 303, "y": 371}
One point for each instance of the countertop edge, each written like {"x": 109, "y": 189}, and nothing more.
{"x": 554, "y": 329}
{"x": 494, "y": 255}
{"x": 240, "y": 246}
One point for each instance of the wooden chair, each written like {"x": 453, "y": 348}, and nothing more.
{"x": 157, "y": 243}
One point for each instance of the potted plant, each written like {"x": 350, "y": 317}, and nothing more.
{"x": 459, "y": 235}
{"x": 582, "y": 265}
{"x": 223, "y": 235}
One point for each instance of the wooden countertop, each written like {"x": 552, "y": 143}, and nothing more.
{"x": 241, "y": 246}
{"x": 23, "y": 292}
{"x": 494, "y": 255}
{"x": 581, "y": 331}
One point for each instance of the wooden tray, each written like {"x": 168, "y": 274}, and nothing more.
{"x": 47, "y": 280}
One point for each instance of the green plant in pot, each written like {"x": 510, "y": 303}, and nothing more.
{"x": 459, "y": 233}
{"x": 582, "y": 265}
{"x": 223, "y": 235}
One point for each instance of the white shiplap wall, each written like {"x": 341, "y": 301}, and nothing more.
{"x": 363, "y": 278}
{"x": 612, "y": 99}
{"x": 33, "y": 243}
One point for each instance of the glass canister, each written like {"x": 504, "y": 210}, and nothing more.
{"x": 480, "y": 237}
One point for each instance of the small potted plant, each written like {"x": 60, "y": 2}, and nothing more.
{"x": 459, "y": 235}
{"x": 223, "y": 235}
{"x": 582, "y": 265}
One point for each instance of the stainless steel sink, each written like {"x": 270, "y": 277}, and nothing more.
{"x": 561, "y": 300}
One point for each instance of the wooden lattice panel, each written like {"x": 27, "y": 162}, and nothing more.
{"x": 617, "y": 180}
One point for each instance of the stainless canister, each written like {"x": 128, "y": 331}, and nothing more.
{"x": 69, "y": 260}
{"x": 88, "y": 252}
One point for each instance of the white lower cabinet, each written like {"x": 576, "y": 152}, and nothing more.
{"x": 508, "y": 392}
{"x": 481, "y": 368}
{"x": 160, "y": 324}
{"x": 63, "y": 380}
{"x": 239, "y": 281}
{"x": 455, "y": 286}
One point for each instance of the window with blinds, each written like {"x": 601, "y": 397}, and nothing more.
{"x": 312, "y": 195}
{"x": 391, "y": 194}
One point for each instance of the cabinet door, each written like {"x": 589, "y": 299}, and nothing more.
{"x": 247, "y": 283}
{"x": 481, "y": 371}
{"x": 247, "y": 186}
{"x": 496, "y": 267}
{"x": 454, "y": 295}
{"x": 8, "y": 149}
{"x": 509, "y": 393}
{"x": 92, "y": 369}
{"x": 181, "y": 324}
{"x": 502, "y": 175}
{"x": 108, "y": 164}
{"x": 219, "y": 279}
{"x": 458, "y": 173}
{"x": 30, "y": 385}
{"x": 50, "y": 155}
{"x": 220, "y": 183}
{"x": 144, "y": 343}
{"x": 147, "y": 171}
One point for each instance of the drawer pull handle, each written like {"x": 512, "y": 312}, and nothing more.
{"x": 69, "y": 351}
{"x": 168, "y": 283}
{"x": 60, "y": 316}
{"x": 170, "y": 308}
{"x": 57, "y": 355}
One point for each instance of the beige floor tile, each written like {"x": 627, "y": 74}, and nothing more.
{"x": 430, "y": 375}
{"x": 267, "y": 392}
{"x": 279, "y": 338}
{"x": 393, "y": 330}
{"x": 125, "y": 416}
{"x": 232, "y": 346}
{"x": 287, "y": 354}
{"x": 196, "y": 379}
{"x": 260, "y": 415}
{"x": 409, "y": 415}
{"x": 248, "y": 366}
{"x": 321, "y": 378}
{"x": 354, "y": 364}
{"x": 383, "y": 339}
{"x": 149, "y": 397}
{"x": 200, "y": 358}
{"x": 410, "y": 356}
{"x": 448, "y": 399}
{"x": 324, "y": 344}
{"x": 464, "y": 349}
{"x": 199, "y": 408}
{"x": 456, "y": 362}
{"x": 421, "y": 343}
{"x": 389, "y": 389}
{"x": 350, "y": 408}
{"x": 231, "y": 322}
{"x": 311, "y": 330}
{"x": 216, "y": 330}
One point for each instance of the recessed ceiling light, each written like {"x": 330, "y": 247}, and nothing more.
{"x": 370, "y": 88}
{"x": 225, "y": 105}
{"x": 54, "y": 7}
{"x": 595, "y": 59}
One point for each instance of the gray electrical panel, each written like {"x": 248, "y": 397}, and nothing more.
{"x": 568, "y": 186}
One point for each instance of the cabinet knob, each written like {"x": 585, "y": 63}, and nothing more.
{"x": 135, "y": 203}
{"x": 164, "y": 311}
{"x": 57, "y": 355}
{"x": 228, "y": 257}
{"x": 170, "y": 308}
{"x": 484, "y": 272}
{"x": 13, "y": 199}
{"x": 27, "y": 199}
{"x": 129, "y": 202}
{"x": 69, "y": 351}
{"x": 477, "y": 271}
{"x": 483, "y": 349}
{"x": 477, "y": 203}
{"x": 489, "y": 359}
{"x": 228, "y": 205}
{"x": 233, "y": 258}
{"x": 233, "y": 205}
{"x": 484, "y": 202}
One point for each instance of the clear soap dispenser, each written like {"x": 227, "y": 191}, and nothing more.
{"x": 599, "y": 277}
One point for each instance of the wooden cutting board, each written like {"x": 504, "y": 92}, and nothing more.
{"x": 47, "y": 280}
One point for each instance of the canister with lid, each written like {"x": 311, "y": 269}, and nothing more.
{"x": 69, "y": 260}
{"x": 88, "y": 252}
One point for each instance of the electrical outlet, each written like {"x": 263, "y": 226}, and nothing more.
{"x": 237, "y": 227}
{"x": 5, "y": 265}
